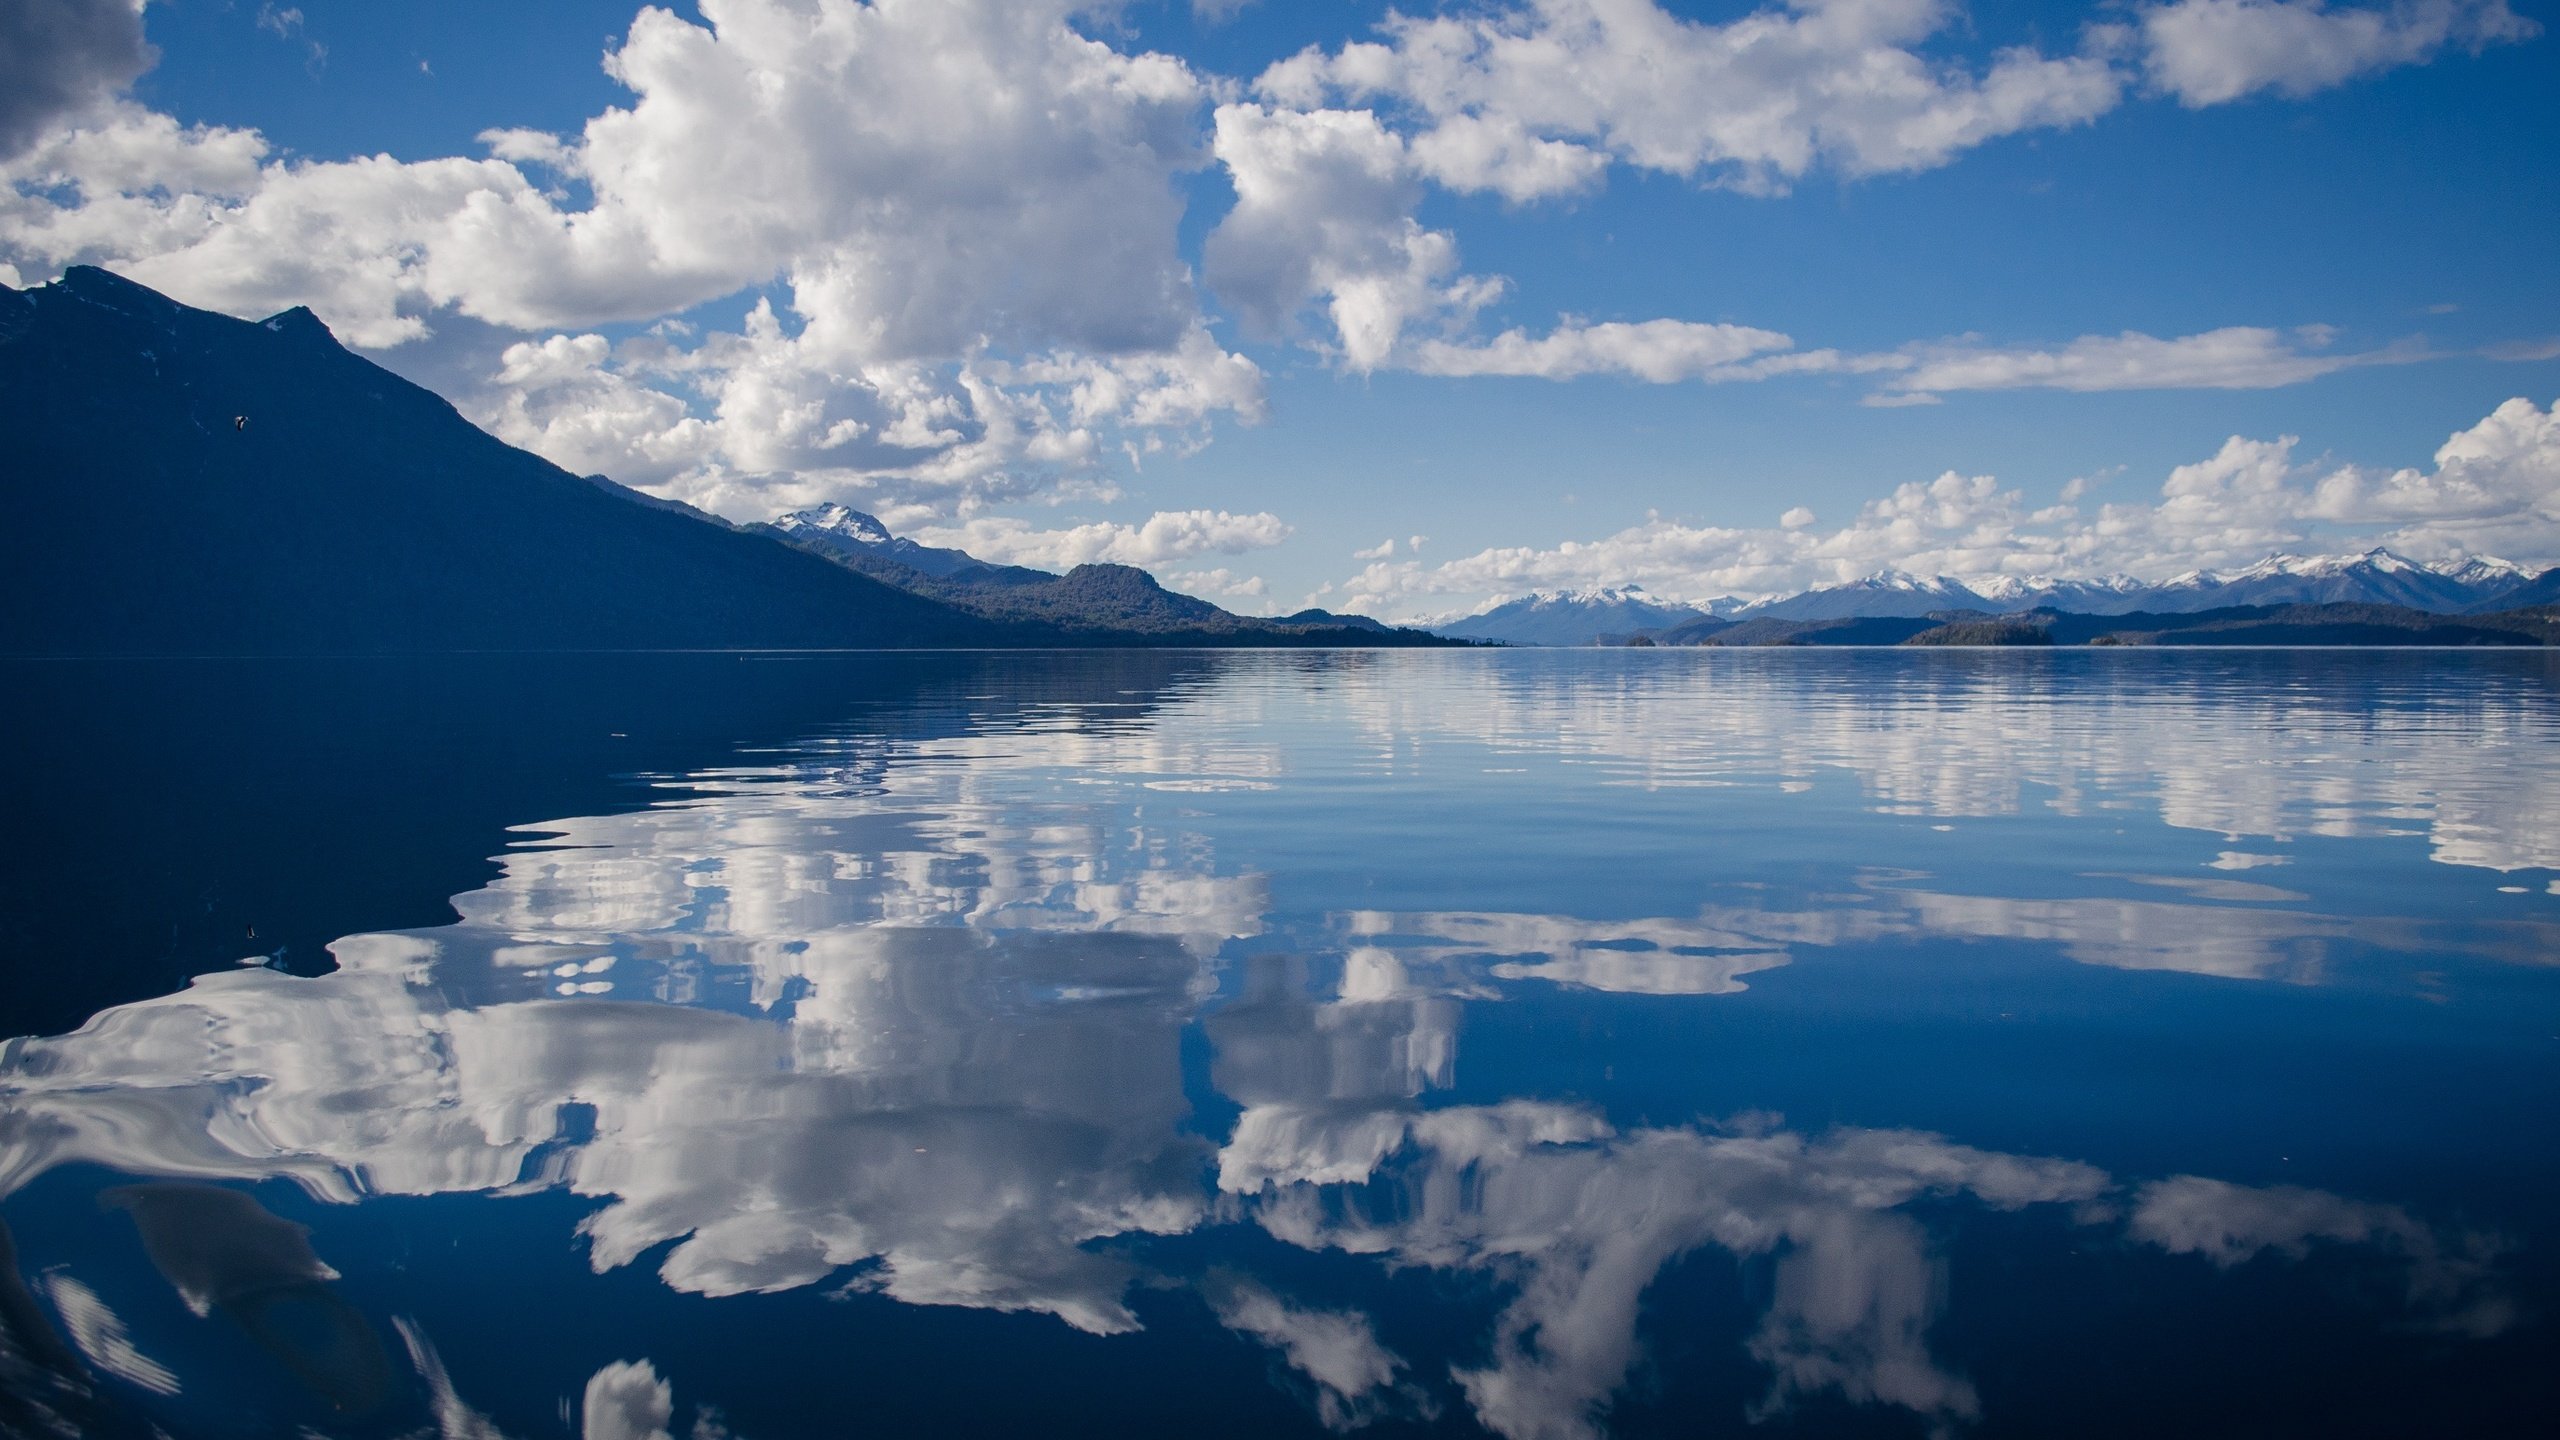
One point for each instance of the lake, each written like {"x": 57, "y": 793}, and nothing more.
{"x": 1542, "y": 1044}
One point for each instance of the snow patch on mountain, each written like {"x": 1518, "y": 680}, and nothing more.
{"x": 843, "y": 531}
{"x": 1576, "y": 617}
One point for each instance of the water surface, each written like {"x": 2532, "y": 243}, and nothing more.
{"x": 1536, "y": 1044}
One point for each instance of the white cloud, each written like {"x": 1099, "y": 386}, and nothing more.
{"x": 286, "y": 25}
{"x": 749, "y": 422}
{"x": 627, "y": 1401}
{"x": 1324, "y": 211}
{"x": 1524, "y": 99}
{"x": 970, "y": 209}
{"x": 1162, "y": 538}
{"x": 2233, "y": 358}
{"x": 2494, "y": 488}
{"x": 2207, "y": 52}
{"x": 1668, "y": 352}
{"x": 59, "y": 58}
{"x": 1497, "y": 153}
{"x": 557, "y": 398}
{"x": 1379, "y": 551}
{"x": 1221, "y": 584}
{"x": 1661, "y": 351}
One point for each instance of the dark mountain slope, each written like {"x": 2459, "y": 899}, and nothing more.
{"x": 183, "y": 482}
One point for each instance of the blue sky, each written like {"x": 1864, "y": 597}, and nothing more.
{"x": 1982, "y": 289}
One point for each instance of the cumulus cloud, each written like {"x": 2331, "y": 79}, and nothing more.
{"x": 1162, "y": 538}
{"x": 968, "y": 210}
{"x": 1324, "y": 211}
{"x": 627, "y": 1401}
{"x": 2493, "y": 489}
{"x": 557, "y": 398}
{"x": 748, "y": 422}
{"x": 928, "y": 176}
{"x": 1531, "y": 100}
{"x": 59, "y": 58}
{"x": 1222, "y": 584}
{"x": 959, "y": 224}
{"x": 2208, "y": 52}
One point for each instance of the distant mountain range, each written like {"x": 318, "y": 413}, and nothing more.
{"x": 1576, "y": 617}
{"x": 2319, "y": 624}
{"x": 181, "y": 482}
{"x": 2377, "y": 577}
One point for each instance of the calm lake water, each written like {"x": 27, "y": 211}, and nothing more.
{"x": 1547, "y": 1044}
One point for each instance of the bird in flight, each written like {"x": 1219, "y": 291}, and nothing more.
{"x": 239, "y": 422}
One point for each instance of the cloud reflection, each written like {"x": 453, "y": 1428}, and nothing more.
{"x": 2270, "y": 746}
{"x": 910, "y": 1020}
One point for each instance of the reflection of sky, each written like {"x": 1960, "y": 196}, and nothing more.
{"x": 2269, "y": 745}
{"x": 910, "y": 1019}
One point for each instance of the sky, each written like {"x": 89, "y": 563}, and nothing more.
{"x": 1393, "y": 310}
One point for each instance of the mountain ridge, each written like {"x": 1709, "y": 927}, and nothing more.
{"x": 188, "y": 483}
{"x": 2469, "y": 585}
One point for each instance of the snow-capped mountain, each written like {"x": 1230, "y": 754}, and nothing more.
{"x": 845, "y": 532}
{"x": 1576, "y": 617}
{"x": 2106, "y": 595}
{"x": 2542, "y": 589}
{"x": 2376, "y": 577}
{"x": 2488, "y": 572}
{"x": 1887, "y": 592}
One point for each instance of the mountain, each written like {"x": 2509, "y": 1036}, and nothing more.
{"x": 185, "y": 482}
{"x": 845, "y": 534}
{"x": 1328, "y": 617}
{"x": 2088, "y": 597}
{"x": 2376, "y": 577}
{"x": 1886, "y": 593}
{"x": 1088, "y": 601}
{"x": 1693, "y": 632}
{"x": 181, "y": 482}
{"x": 1573, "y": 617}
{"x": 2542, "y": 589}
{"x": 2288, "y": 625}
{"x": 2488, "y": 574}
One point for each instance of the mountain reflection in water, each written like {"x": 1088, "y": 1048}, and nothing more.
{"x": 1546, "y": 1045}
